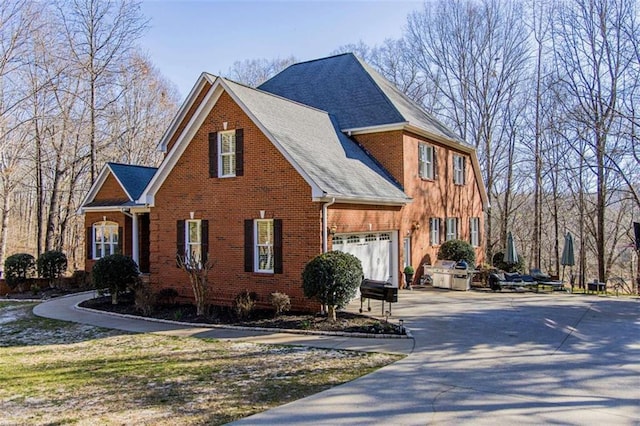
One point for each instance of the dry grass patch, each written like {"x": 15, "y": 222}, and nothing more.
{"x": 82, "y": 375}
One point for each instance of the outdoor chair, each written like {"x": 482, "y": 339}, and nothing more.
{"x": 545, "y": 280}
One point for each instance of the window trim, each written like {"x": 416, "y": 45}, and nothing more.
{"x": 231, "y": 154}
{"x": 474, "y": 231}
{"x": 434, "y": 231}
{"x": 458, "y": 169}
{"x": 114, "y": 245}
{"x": 269, "y": 245}
{"x": 426, "y": 162}
{"x": 187, "y": 240}
{"x": 451, "y": 232}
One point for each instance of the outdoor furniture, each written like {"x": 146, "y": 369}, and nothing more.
{"x": 545, "y": 281}
{"x": 514, "y": 281}
{"x": 596, "y": 287}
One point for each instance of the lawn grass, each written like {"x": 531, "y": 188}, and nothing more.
{"x": 56, "y": 372}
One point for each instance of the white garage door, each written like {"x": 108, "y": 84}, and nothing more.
{"x": 373, "y": 250}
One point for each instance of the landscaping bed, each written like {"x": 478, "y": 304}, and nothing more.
{"x": 347, "y": 322}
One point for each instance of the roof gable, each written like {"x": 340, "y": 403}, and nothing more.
{"x": 331, "y": 163}
{"x": 131, "y": 179}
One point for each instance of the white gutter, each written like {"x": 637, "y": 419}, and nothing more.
{"x": 325, "y": 237}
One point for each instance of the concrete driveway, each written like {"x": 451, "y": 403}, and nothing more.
{"x": 485, "y": 358}
{"x": 476, "y": 358}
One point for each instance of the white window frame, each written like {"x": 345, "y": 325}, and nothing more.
{"x": 104, "y": 248}
{"x": 230, "y": 155}
{"x": 425, "y": 161}
{"x": 268, "y": 245}
{"x": 434, "y": 232}
{"x": 190, "y": 245}
{"x": 458, "y": 169}
{"x": 474, "y": 231}
{"x": 452, "y": 228}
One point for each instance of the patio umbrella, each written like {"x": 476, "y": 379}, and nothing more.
{"x": 568, "y": 257}
{"x": 511, "y": 255}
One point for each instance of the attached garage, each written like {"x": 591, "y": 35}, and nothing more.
{"x": 376, "y": 250}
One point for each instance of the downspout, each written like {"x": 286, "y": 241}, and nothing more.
{"x": 325, "y": 237}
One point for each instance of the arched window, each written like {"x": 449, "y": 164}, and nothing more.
{"x": 105, "y": 239}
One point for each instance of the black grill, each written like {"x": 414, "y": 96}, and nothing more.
{"x": 377, "y": 290}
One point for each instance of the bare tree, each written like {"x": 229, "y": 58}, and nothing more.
{"x": 100, "y": 34}
{"x": 593, "y": 59}
{"x": 254, "y": 72}
{"x": 475, "y": 53}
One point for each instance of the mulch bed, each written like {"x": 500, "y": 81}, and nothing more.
{"x": 346, "y": 321}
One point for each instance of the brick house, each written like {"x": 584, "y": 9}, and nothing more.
{"x": 327, "y": 155}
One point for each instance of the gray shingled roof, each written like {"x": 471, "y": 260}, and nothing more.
{"x": 133, "y": 178}
{"x": 353, "y": 92}
{"x": 334, "y": 162}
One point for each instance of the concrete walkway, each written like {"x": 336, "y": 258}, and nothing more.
{"x": 479, "y": 358}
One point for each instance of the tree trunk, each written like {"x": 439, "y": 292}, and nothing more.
{"x": 331, "y": 313}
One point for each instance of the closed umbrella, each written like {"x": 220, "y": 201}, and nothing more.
{"x": 568, "y": 256}
{"x": 511, "y": 256}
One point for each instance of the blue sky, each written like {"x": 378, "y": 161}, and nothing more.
{"x": 186, "y": 38}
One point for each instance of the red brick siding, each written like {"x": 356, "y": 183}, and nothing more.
{"x": 269, "y": 183}
{"x": 121, "y": 219}
{"x": 111, "y": 190}
{"x": 397, "y": 151}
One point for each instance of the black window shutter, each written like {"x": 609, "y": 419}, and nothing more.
{"x": 89, "y": 242}
{"x": 420, "y": 161}
{"x": 248, "y": 245}
{"x": 213, "y": 154}
{"x": 120, "y": 238}
{"x": 239, "y": 152}
{"x": 277, "y": 246}
{"x": 179, "y": 240}
{"x": 204, "y": 238}
{"x": 435, "y": 162}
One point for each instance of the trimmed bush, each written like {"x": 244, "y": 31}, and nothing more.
{"x": 51, "y": 264}
{"x": 18, "y": 268}
{"x": 115, "y": 273}
{"x": 457, "y": 250}
{"x": 333, "y": 279}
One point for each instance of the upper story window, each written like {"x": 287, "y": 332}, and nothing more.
{"x": 458, "y": 169}
{"x": 452, "y": 228}
{"x": 227, "y": 153}
{"x": 426, "y": 161}
{"x": 474, "y": 231}
{"x": 105, "y": 239}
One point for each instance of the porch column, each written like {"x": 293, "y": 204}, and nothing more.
{"x": 135, "y": 243}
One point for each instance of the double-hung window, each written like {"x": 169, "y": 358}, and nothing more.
{"x": 434, "y": 234}
{"x": 474, "y": 231}
{"x": 458, "y": 169}
{"x": 105, "y": 239}
{"x": 193, "y": 241}
{"x": 426, "y": 161}
{"x": 227, "y": 153}
{"x": 452, "y": 228}
{"x": 264, "y": 245}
